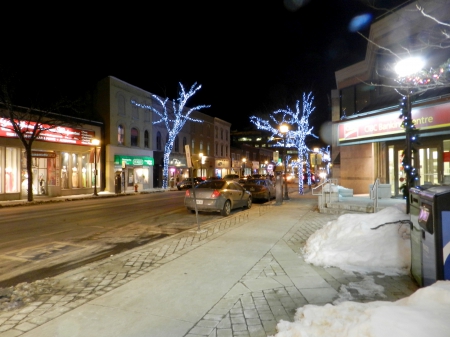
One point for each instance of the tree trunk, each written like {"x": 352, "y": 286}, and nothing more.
{"x": 29, "y": 172}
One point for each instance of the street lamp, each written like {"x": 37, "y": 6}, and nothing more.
{"x": 96, "y": 143}
{"x": 201, "y": 164}
{"x": 284, "y": 130}
{"x": 243, "y": 167}
{"x": 404, "y": 68}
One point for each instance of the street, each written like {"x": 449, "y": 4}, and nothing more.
{"x": 38, "y": 241}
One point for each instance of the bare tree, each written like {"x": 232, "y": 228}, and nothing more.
{"x": 29, "y": 121}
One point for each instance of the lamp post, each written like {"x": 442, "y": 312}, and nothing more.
{"x": 95, "y": 142}
{"x": 404, "y": 68}
{"x": 243, "y": 167}
{"x": 201, "y": 164}
{"x": 284, "y": 130}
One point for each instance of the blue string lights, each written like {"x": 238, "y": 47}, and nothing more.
{"x": 173, "y": 119}
{"x": 298, "y": 131}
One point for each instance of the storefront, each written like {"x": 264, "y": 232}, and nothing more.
{"x": 222, "y": 167}
{"x": 134, "y": 171}
{"x": 432, "y": 154}
{"x": 62, "y": 162}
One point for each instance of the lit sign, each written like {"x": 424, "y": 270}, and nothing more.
{"x": 133, "y": 161}
{"x": 390, "y": 123}
{"x": 55, "y": 134}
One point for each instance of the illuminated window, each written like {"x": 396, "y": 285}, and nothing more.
{"x": 120, "y": 134}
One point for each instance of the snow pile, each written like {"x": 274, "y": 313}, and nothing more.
{"x": 354, "y": 242}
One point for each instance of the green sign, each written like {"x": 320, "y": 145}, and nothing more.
{"x": 133, "y": 160}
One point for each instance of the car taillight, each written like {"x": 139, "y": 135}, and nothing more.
{"x": 215, "y": 194}
{"x": 188, "y": 193}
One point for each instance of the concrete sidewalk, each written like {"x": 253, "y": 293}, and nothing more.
{"x": 237, "y": 276}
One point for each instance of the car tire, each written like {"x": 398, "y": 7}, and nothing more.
{"x": 226, "y": 210}
{"x": 249, "y": 203}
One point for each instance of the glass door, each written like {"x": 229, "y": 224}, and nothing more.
{"x": 428, "y": 166}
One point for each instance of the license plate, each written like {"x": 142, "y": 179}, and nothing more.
{"x": 199, "y": 202}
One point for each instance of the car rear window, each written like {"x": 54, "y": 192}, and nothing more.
{"x": 213, "y": 184}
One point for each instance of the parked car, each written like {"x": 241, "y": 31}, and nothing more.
{"x": 187, "y": 183}
{"x": 217, "y": 196}
{"x": 231, "y": 177}
{"x": 262, "y": 189}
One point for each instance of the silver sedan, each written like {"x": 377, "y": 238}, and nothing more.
{"x": 217, "y": 196}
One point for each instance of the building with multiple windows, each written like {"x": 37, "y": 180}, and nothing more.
{"x": 134, "y": 145}
{"x": 368, "y": 138}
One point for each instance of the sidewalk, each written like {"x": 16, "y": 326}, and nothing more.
{"x": 237, "y": 276}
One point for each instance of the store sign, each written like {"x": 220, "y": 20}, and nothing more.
{"x": 43, "y": 154}
{"x": 133, "y": 161}
{"x": 388, "y": 124}
{"x": 55, "y": 134}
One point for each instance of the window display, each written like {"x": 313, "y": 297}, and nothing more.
{"x": 12, "y": 160}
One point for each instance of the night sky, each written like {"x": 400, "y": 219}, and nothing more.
{"x": 251, "y": 57}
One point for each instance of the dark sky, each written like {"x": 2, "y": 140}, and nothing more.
{"x": 251, "y": 57}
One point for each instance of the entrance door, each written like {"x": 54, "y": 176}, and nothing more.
{"x": 426, "y": 164}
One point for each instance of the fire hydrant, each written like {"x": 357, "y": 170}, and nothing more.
{"x": 135, "y": 187}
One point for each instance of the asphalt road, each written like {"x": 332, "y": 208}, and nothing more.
{"x": 44, "y": 240}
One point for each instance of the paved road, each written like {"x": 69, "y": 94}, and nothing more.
{"x": 42, "y": 240}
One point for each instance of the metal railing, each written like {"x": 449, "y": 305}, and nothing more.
{"x": 323, "y": 192}
{"x": 374, "y": 194}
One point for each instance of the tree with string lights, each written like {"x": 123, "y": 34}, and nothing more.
{"x": 174, "y": 119}
{"x": 299, "y": 129}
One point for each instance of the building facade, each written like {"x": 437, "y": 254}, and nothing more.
{"x": 368, "y": 138}
{"x": 63, "y": 160}
{"x": 135, "y": 140}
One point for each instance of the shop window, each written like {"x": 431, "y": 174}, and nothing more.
{"x": 64, "y": 170}
{"x": 75, "y": 178}
{"x": 12, "y": 170}
{"x": 120, "y": 135}
{"x": 85, "y": 173}
{"x": 177, "y": 144}
{"x": 158, "y": 141}
{"x": 134, "y": 137}
{"x": 146, "y": 139}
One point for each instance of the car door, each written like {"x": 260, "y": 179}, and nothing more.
{"x": 237, "y": 194}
